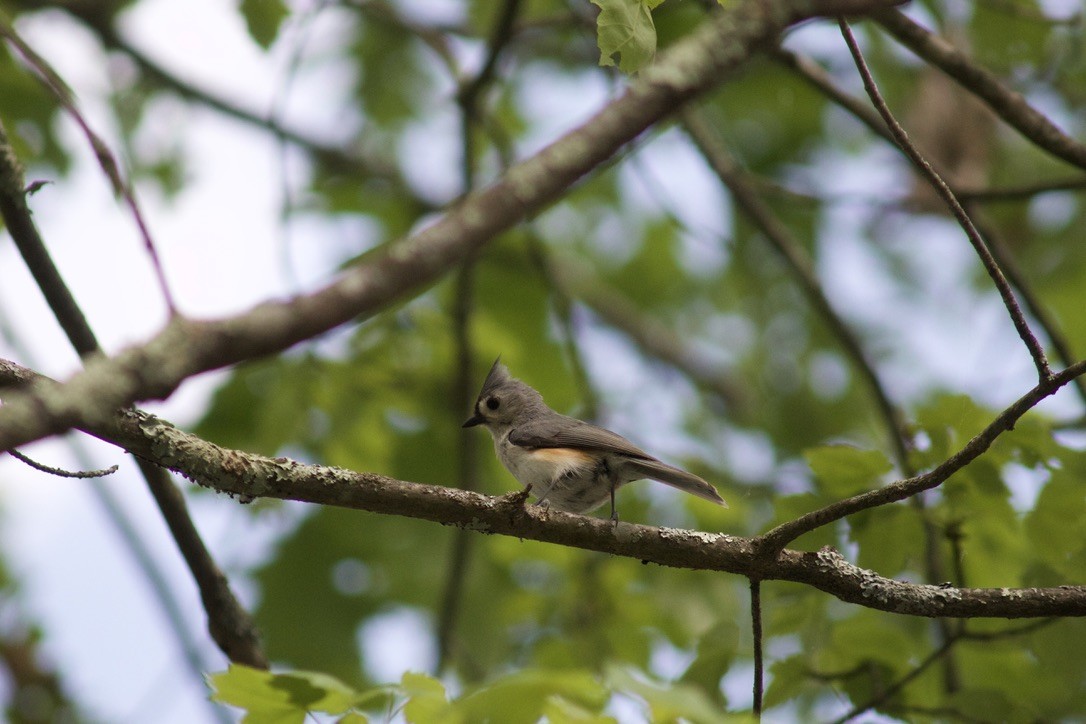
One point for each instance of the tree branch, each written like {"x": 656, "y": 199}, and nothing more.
{"x": 785, "y": 533}
{"x": 1036, "y": 351}
{"x": 248, "y": 476}
{"x": 61, "y": 472}
{"x": 106, "y": 160}
{"x": 185, "y": 348}
{"x": 813, "y": 74}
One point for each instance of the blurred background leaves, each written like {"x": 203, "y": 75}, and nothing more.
{"x": 657, "y": 232}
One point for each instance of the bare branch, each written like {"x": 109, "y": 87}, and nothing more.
{"x": 939, "y": 653}
{"x": 756, "y": 634}
{"x": 110, "y": 167}
{"x": 812, "y": 73}
{"x": 951, "y": 200}
{"x": 249, "y": 476}
{"x": 1022, "y": 192}
{"x": 28, "y": 241}
{"x": 61, "y": 472}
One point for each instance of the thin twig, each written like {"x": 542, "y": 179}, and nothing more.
{"x": 1008, "y": 104}
{"x": 1022, "y": 192}
{"x": 756, "y": 634}
{"x": 951, "y": 200}
{"x": 812, "y": 73}
{"x": 883, "y": 697}
{"x": 1059, "y": 342}
{"x": 775, "y": 540}
{"x": 106, "y": 160}
{"x": 61, "y": 472}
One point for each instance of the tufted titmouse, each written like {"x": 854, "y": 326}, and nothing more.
{"x": 571, "y": 465}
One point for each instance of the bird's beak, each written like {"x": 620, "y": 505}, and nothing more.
{"x": 474, "y": 420}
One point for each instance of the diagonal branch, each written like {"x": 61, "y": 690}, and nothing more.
{"x": 785, "y": 533}
{"x": 185, "y": 348}
{"x": 106, "y": 160}
{"x": 1008, "y": 104}
{"x": 951, "y": 200}
{"x": 816, "y": 76}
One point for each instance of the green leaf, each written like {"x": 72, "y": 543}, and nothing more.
{"x": 625, "y": 28}
{"x": 559, "y": 711}
{"x": 843, "y": 470}
{"x": 1054, "y": 526}
{"x": 263, "y": 18}
{"x": 522, "y": 696}
{"x": 887, "y": 538}
{"x": 869, "y": 636}
{"x": 667, "y": 702}
{"x": 426, "y": 700}
{"x": 716, "y": 652}
{"x": 273, "y": 698}
{"x": 789, "y": 678}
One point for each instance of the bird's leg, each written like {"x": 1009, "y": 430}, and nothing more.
{"x": 612, "y": 483}
{"x": 541, "y": 498}
{"x": 614, "y": 510}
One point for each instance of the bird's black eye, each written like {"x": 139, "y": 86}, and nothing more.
{"x": 493, "y": 403}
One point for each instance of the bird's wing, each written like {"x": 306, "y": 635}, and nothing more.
{"x": 569, "y": 432}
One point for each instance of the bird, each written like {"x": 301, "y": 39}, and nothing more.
{"x": 567, "y": 464}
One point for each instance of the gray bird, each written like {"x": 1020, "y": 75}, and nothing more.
{"x": 568, "y": 464}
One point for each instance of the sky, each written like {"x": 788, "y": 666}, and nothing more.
{"x": 224, "y": 249}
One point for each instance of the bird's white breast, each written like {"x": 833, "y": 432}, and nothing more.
{"x": 540, "y": 466}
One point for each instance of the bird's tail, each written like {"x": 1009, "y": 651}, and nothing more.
{"x": 687, "y": 482}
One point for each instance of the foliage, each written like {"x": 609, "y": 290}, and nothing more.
{"x": 525, "y": 696}
{"x": 559, "y": 634}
